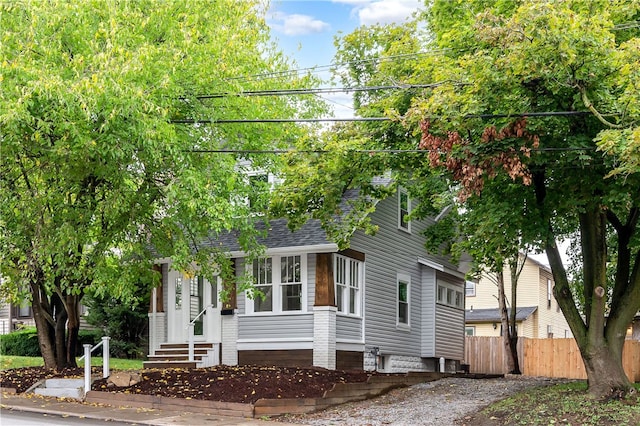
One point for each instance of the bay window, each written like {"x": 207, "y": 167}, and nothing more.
{"x": 348, "y": 275}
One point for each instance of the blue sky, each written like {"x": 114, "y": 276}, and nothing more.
{"x": 305, "y": 30}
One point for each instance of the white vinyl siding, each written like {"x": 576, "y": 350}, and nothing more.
{"x": 449, "y": 331}
{"x": 390, "y": 252}
{"x": 348, "y": 329}
{"x": 275, "y": 327}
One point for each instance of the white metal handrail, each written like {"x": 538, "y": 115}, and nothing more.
{"x": 87, "y": 361}
{"x": 190, "y": 327}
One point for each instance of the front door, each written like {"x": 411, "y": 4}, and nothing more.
{"x": 192, "y": 299}
{"x": 196, "y": 305}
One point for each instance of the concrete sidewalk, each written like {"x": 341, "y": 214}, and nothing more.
{"x": 144, "y": 416}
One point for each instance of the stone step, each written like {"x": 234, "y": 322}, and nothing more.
{"x": 61, "y": 388}
{"x": 64, "y": 383}
{"x": 61, "y": 392}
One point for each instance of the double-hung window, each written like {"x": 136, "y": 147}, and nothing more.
{"x": 404, "y": 208}
{"x": 348, "y": 274}
{"x": 470, "y": 288}
{"x": 291, "y": 279}
{"x": 402, "y": 297}
{"x": 263, "y": 281}
{"x": 280, "y": 280}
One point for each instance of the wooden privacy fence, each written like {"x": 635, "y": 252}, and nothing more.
{"x": 541, "y": 357}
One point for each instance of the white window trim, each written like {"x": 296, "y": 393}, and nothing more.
{"x": 402, "y": 226}
{"x": 470, "y": 327}
{"x": 276, "y": 302}
{"x": 406, "y": 279}
{"x": 349, "y": 261}
{"x": 474, "y": 285}
{"x": 453, "y": 287}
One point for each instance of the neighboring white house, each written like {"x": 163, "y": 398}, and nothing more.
{"x": 13, "y": 317}
{"x": 538, "y": 313}
{"x": 384, "y": 303}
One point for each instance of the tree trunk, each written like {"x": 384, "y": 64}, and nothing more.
{"x": 605, "y": 374}
{"x": 515, "y": 268}
{"x": 60, "y": 315}
{"x": 73, "y": 327}
{"x": 510, "y": 350}
{"x": 44, "y": 325}
{"x": 601, "y": 349}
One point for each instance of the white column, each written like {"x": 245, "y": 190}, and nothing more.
{"x": 324, "y": 336}
{"x": 230, "y": 339}
{"x": 105, "y": 357}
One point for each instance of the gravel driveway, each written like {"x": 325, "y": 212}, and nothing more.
{"x": 435, "y": 403}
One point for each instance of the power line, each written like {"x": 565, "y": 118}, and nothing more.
{"x": 354, "y": 151}
{"x": 276, "y": 120}
{"x": 366, "y": 119}
{"x": 322, "y": 90}
{"x": 319, "y": 68}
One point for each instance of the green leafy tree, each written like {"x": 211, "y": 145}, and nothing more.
{"x": 516, "y": 182}
{"x": 538, "y": 58}
{"x": 102, "y": 168}
{"x": 125, "y": 323}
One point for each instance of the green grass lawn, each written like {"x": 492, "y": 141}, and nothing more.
{"x": 8, "y": 361}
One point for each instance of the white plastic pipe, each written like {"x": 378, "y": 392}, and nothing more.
{"x": 442, "y": 364}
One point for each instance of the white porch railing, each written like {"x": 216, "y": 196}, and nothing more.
{"x": 190, "y": 327}
{"x": 87, "y": 361}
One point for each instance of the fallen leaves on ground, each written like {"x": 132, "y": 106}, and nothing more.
{"x": 244, "y": 384}
{"x": 21, "y": 379}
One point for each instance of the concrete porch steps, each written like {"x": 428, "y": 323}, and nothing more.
{"x": 61, "y": 388}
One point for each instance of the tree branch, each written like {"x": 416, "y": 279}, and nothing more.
{"x": 590, "y": 107}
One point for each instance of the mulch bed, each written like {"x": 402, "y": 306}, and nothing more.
{"x": 244, "y": 384}
{"x": 21, "y": 379}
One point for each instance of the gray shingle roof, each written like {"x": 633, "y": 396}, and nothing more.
{"x": 493, "y": 315}
{"x": 278, "y": 236}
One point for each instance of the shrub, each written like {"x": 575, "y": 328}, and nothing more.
{"x": 20, "y": 343}
{"x": 125, "y": 323}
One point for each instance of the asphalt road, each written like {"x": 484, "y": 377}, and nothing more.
{"x": 23, "y": 418}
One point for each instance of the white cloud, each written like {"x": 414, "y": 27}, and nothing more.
{"x": 371, "y": 12}
{"x": 296, "y": 24}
